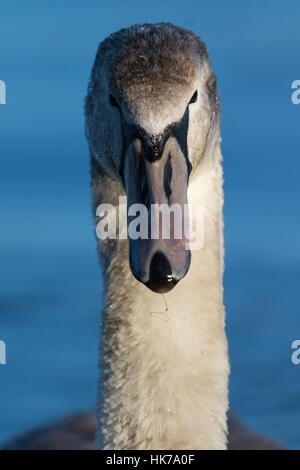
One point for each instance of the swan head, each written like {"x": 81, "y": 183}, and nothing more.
{"x": 151, "y": 111}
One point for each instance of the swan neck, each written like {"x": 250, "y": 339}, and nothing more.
{"x": 164, "y": 365}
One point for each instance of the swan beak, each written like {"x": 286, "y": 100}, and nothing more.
{"x": 156, "y": 177}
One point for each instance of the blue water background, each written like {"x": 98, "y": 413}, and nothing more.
{"x": 50, "y": 289}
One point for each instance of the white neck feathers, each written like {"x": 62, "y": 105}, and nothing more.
{"x": 164, "y": 371}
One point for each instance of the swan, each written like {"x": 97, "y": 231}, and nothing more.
{"x": 152, "y": 126}
{"x": 152, "y": 103}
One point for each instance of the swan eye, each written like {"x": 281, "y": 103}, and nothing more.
{"x": 113, "y": 101}
{"x": 194, "y": 97}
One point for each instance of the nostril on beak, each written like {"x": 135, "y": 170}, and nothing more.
{"x": 161, "y": 279}
{"x": 168, "y": 177}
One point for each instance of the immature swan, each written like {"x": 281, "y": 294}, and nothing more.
{"x": 152, "y": 125}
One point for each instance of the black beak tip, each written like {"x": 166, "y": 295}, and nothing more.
{"x": 161, "y": 279}
{"x": 161, "y": 287}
